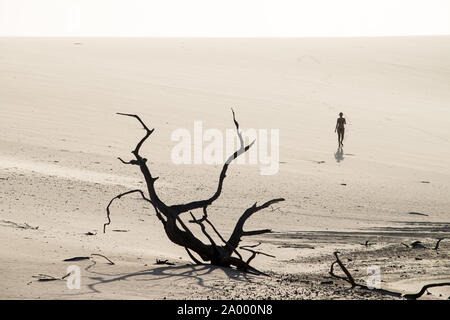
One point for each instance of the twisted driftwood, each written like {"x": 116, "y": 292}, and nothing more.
{"x": 351, "y": 280}
{"x": 225, "y": 254}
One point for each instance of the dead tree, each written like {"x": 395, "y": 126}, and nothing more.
{"x": 349, "y": 278}
{"x": 225, "y": 254}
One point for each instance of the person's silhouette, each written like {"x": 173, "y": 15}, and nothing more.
{"x": 340, "y": 129}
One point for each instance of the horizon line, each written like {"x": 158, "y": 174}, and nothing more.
{"x": 229, "y": 37}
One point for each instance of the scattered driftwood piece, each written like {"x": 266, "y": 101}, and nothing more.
{"x": 351, "y": 280}
{"x": 100, "y": 255}
{"x": 424, "y": 181}
{"x": 13, "y": 224}
{"x": 45, "y": 277}
{"x": 366, "y": 244}
{"x": 418, "y": 213}
{"x": 77, "y": 259}
{"x": 88, "y": 258}
{"x": 417, "y": 295}
{"x": 158, "y": 261}
{"x": 120, "y": 230}
{"x": 90, "y": 233}
{"x": 349, "y": 277}
{"x": 437, "y": 243}
{"x": 275, "y": 209}
{"x": 419, "y": 244}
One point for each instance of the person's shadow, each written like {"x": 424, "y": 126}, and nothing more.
{"x": 339, "y": 155}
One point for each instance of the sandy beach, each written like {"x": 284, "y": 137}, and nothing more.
{"x": 60, "y": 138}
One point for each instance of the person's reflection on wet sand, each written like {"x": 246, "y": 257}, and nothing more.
{"x": 339, "y": 155}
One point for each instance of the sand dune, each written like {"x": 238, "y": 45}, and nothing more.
{"x": 60, "y": 139}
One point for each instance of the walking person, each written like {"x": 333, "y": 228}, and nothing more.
{"x": 340, "y": 129}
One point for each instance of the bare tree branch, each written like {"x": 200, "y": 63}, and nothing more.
{"x": 202, "y": 226}
{"x": 350, "y": 279}
{"x": 147, "y": 130}
{"x": 128, "y": 162}
{"x": 203, "y": 203}
{"x": 192, "y": 256}
{"x": 108, "y": 212}
{"x": 254, "y": 252}
{"x": 100, "y": 255}
{"x": 347, "y": 273}
{"x": 437, "y": 243}
{"x": 177, "y": 231}
{"x": 417, "y": 295}
{"x": 235, "y": 237}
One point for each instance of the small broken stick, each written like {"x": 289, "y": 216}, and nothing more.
{"x": 366, "y": 244}
{"x": 349, "y": 278}
{"x": 77, "y": 259}
{"x": 45, "y": 277}
{"x": 164, "y": 262}
{"x": 100, "y": 255}
{"x": 417, "y": 295}
{"x": 88, "y": 258}
{"x": 437, "y": 243}
{"x": 18, "y": 225}
{"x": 418, "y": 213}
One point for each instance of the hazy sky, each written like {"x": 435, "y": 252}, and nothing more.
{"x": 214, "y": 18}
